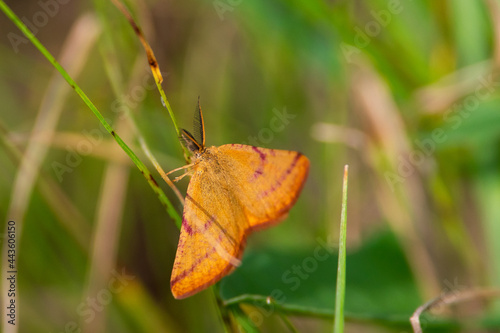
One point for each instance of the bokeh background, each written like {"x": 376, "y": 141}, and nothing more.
{"x": 405, "y": 92}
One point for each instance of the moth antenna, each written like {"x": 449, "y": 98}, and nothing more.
{"x": 199, "y": 124}
{"x": 190, "y": 142}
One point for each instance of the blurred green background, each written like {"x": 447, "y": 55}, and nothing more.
{"x": 405, "y": 92}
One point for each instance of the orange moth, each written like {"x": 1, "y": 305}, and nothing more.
{"x": 234, "y": 190}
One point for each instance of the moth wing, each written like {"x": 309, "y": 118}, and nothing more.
{"x": 267, "y": 181}
{"x": 240, "y": 189}
{"x": 211, "y": 238}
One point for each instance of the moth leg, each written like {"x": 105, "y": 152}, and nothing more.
{"x": 176, "y": 179}
{"x": 181, "y": 168}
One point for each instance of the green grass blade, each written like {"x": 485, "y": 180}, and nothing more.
{"x": 161, "y": 195}
{"x": 340, "y": 293}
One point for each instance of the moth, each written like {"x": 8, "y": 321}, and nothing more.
{"x": 234, "y": 190}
